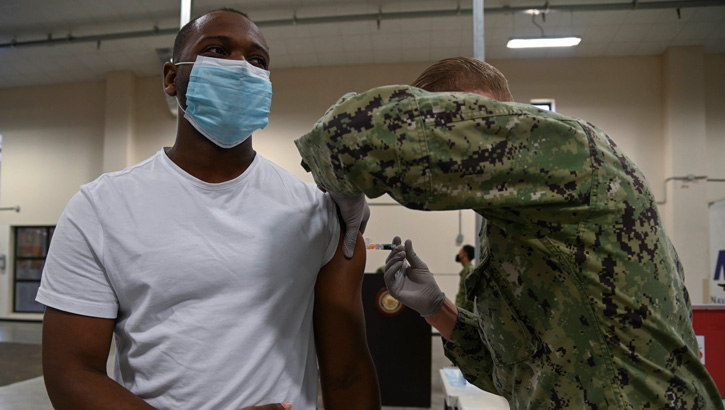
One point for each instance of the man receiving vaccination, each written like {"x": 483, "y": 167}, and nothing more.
{"x": 179, "y": 258}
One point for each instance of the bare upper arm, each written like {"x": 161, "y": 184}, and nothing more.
{"x": 347, "y": 372}
{"x": 339, "y": 282}
{"x": 73, "y": 341}
{"x": 339, "y": 319}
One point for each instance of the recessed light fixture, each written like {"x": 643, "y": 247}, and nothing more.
{"x": 535, "y": 12}
{"x": 543, "y": 42}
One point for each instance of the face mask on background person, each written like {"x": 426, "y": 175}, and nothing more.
{"x": 227, "y": 100}
{"x": 458, "y": 258}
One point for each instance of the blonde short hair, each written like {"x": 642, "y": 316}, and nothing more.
{"x": 464, "y": 74}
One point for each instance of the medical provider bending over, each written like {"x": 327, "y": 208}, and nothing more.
{"x": 579, "y": 298}
{"x": 179, "y": 258}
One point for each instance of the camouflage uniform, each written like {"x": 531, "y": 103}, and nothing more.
{"x": 580, "y": 297}
{"x": 461, "y": 297}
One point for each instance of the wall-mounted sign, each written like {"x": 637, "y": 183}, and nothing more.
{"x": 387, "y": 304}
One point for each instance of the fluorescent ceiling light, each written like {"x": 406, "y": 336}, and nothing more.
{"x": 543, "y": 42}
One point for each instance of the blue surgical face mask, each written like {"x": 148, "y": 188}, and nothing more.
{"x": 227, "y": 100}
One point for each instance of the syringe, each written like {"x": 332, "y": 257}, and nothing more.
{"x": 379, "y": 246}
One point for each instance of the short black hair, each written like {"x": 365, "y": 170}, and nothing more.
{"x": 469, "y": 251}
{"x": 183, "y": 35}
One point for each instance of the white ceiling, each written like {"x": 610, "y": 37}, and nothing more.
{"x": 635, "y": 31}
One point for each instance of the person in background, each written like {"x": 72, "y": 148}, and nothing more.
{"x": 465, "y": 257}
{"x": 579, "y": 294}
{"x": 178, "y": 257}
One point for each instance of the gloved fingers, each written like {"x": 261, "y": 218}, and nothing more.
{"x": 365, "y": 218}
{"x": 393, "y": 277}
{"x": 397, "y": 252}
{"x": 392, "y": 269}
{"x": 355, "y": 211}
{"x": 409, "y": 247}
{"x": 348, "y": 245}
{"x": 412, "y": 257}
{"x": 396, "y": 255}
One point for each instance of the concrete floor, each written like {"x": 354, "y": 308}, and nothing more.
{"x": 30, "y": 394}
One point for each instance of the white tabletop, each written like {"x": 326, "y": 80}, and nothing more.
{"x": 461, "y": 395}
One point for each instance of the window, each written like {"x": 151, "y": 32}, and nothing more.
{"x": 31, "y": 248}
{"x": 544, "y": 103}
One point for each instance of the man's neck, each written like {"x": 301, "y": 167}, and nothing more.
{"x": 206, "y": 161}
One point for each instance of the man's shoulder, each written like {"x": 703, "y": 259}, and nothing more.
{"x": 289, "y": 179}
{"x": 129, "y": 175}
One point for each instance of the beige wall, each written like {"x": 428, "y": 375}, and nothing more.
{"x": 54, "y": 138}
{"x": 155, "y": 125}
{"x": 715, "y": 123}
{"x": 51, "y": 146}
{"x": 621, "y": 95}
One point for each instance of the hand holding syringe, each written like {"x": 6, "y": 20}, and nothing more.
{"x": 380, "y": 246}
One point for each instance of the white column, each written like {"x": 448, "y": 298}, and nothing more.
{"x": 686, "y": 211}
{"x": 479, "y": 52}
{"x": 185, "y": 15}
{"x": 479, "y": 44}
{"x": 119, "y": 122}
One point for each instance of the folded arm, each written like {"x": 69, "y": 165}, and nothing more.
{"x": 75, "y": 351}
{"x": 347, "y": 372}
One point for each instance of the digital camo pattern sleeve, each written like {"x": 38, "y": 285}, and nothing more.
{"x": 466, "y": 346}
{"x": 425, "y": 150}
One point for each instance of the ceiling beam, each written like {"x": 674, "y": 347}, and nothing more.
{"x": 155, "y": 31}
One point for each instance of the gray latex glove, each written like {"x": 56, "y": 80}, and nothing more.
{"x": 355, "y": 212}
{"x": 409, "y": 280}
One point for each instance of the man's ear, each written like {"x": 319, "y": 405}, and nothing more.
{"x": 170, "y": 79}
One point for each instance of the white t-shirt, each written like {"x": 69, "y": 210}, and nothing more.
{"x": 211, "y": 285}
